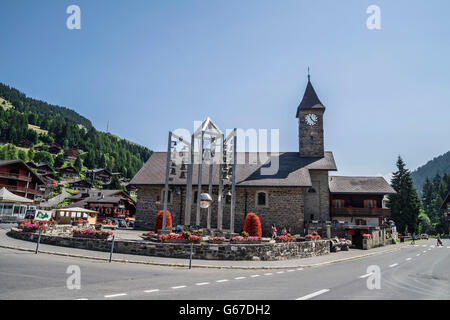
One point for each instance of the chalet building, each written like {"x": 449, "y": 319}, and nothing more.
{"x": 71, "y": 154}
{"x": 297, "y": 197}
{"x": 54, "y": 148}
{"x": 446, "y": 207}
{"x": 41, "y": 168}
{"x": 19, "y": 179}
{"x": 108, "y": 203}
{"x": 24, "y": 143}
{"x": 68, "y": 172}
{"x": 101, "y": 175}
{"x": 81, "y": 184}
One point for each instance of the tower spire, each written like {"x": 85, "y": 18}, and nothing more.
{"x": 309, "y": 76}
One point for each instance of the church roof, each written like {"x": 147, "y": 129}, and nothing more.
{"x": 293, "y": 170}
{"x": 366, "y": 185}
{"x": 310, "y": 99}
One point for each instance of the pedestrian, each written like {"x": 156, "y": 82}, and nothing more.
{"x": 283, "y": 231}
{"x": 439, "y": 242}
{"x": 274, "y": 231}
{"x": 413, "y": 238}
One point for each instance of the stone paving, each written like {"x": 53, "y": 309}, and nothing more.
{"x": 7, "y": 242}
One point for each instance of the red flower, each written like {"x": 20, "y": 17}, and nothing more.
{"x": 252, "y": 225}
{"x": 159, "y": 220}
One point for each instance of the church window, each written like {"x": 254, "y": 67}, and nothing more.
{"x": 169, "y": 198}
{"x": 261, "y": 199}
{"x": 311, "y": 190}
{"x": 311, "y": 139}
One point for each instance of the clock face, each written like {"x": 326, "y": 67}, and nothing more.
{"x": 311, "y": 119}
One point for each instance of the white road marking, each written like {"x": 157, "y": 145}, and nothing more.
{"x": 178, "y": 287}
{"x": 255, "y": 275}
{"x": 151, "y": 290}
{"x": 292, "y": 270}
{"x": 424, "y": 245}
{"x": 417, "y": 254}
{"x": 280, "y": 271}
{"x": 407, "y": 259}
{"x": 314, "y": 294}
{"x": 223, "y": 280}
{"x": 424, "y": 251}
{"x": 115, "y": 295}
{"x": 240, "y": 278}
{"x": 366, "y": 275}
{"x": 431, "y": 246}
{"x": 393, "y": 265}
{"x": 82, "y": 299}
{"x": 448, "y": 247}
{"x": 202, "y": 283}
{"x": 300, "y": 269}
{"x": 268, "y": 274}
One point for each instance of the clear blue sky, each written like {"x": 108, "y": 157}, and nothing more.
{"x": 149, "y": 66}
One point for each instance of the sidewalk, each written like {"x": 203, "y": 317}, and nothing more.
{"x": 352, "y": 254}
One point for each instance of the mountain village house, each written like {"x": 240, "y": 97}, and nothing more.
{"x": 19, "y": 179}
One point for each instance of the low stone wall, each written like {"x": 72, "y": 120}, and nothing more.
{"x": 207, "y": 251}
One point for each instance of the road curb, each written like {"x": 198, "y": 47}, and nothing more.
{"x": 181, "y": 265}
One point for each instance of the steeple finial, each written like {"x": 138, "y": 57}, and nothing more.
{"x": 309, "y": 76}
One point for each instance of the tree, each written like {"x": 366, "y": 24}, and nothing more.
{"x": 405, "y": 204}
{"x": 22, "y": 155}
{"x": 44, "y": 157}
{"x": 78, "y": 164}
{"x": 115, "y": 183}
{"x": 59, "y": 160}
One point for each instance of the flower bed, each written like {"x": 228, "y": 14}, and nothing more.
{"x": 285, "y": 238}
{"x": 310, "y": 237}
{"x": 179, "y": 238}
{"x": 245, "y": 240}
{"x": 32, "y": 227}
{"x": 217, "y": 239}
{"x": 91, "y": 233}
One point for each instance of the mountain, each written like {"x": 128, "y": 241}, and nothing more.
{"x": 36, "y": 126}
{"x": 439, "y": 165}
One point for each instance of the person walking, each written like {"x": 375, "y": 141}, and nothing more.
{"x": 413, "y": 238}
{"x": 274, "y": 231}
{"x": 438, "y": 239}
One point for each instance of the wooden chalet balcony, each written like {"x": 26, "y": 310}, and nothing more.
{"x": 21, "y": 189}
{"x": 15, "y": 176}
{"x": 361, "y": 212}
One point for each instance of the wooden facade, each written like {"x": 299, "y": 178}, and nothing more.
{"x": 19, "y": 179}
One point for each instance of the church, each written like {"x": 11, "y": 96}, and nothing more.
{"x": 302, "y": 196}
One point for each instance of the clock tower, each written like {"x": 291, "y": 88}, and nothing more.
{"x": 310, "y": 124}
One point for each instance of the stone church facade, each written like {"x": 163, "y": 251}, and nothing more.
{"x": 296, "y": 196}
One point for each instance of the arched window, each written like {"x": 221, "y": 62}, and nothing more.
{"x": 262, "y": 199}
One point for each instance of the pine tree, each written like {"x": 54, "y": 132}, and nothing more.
{"x": 78, "y": 165}
{"x": 405, "y": 205}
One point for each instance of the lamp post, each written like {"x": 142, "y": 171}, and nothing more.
{"x": 166, "y": 188}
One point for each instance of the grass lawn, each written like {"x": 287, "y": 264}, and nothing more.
{"x": 37, "y": 129}
{"x": 5, "y": 104}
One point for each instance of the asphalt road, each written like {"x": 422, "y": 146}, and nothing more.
{"x": 417, "y": 272}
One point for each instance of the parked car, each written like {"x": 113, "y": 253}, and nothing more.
{"x": 424, "y": 236}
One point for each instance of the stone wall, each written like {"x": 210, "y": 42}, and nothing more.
{"x": 285, "y": 208}
{"x": 206, "y": 251}
{"x": 317, "y": 204}
{"x": 378, "y": 239}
